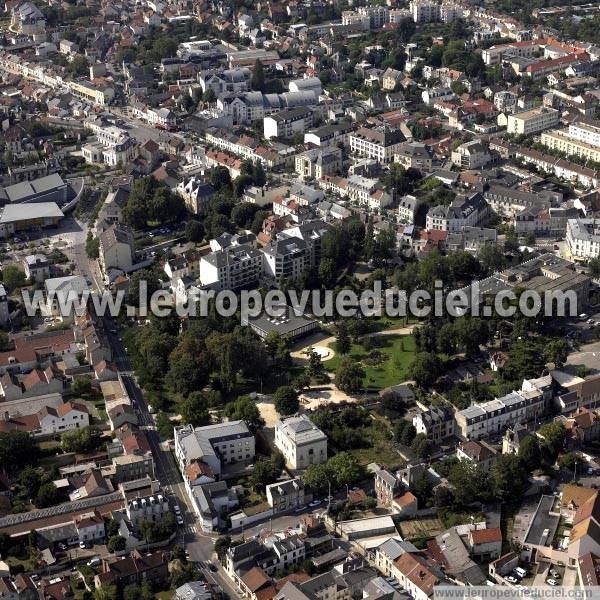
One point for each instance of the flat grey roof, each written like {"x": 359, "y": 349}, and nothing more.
{"x": 13, "y": 213}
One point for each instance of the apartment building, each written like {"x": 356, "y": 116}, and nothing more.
{"x": 585, "y": 130}
{"x": 101, "y": 95}
{"x": 311, "y": 232}
{"x": 471, "y": 155}
{"x": 425, "y": 11}
{"x": 379, "y": 143}
{"x": 583, "y": 238}
{"x": 288, "y": 123}
{"x": 408, "y": 207}
{"x": 216, "y": 445}
{"x": 561, "y": 140}
{"x": 329, "y": 135}
{"x": 532, "y": 121}
{"x": 319, "y": 162}
{"x": 492, "y": 417}
{"x": 301, "y": 442}
{"x": 464, "y": 211}
{"x": 505, "y": 101}
{"x": 437, "y": 423}
{"x": 231, "y": 268}
{"x": 285, "y": 258}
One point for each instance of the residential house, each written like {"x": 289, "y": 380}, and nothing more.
{"x": 133, "y": 569}
{"x": 301, "y": 442}
{"x": 286, "y": 495}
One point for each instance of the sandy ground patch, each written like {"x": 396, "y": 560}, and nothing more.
{"x": 268, "y": 412}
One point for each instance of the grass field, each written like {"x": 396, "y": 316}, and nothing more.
{"x": 386, "y": 364}
{"x": 382, "y": 450}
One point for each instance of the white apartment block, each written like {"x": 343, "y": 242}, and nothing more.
{"x": 586, "y": 131}
{"x": 286, "y": 258}
{"x": 377, "y": 16}
{"x": 232, "y": 268}
{"x": 492, "y": 417}
{"x": 559, "y": 139}
{"x": 352, "y": 17}
{"x": 301, "y": 442}
{"x": 379, "y": 143}
{"x": 532, "y": 121}
{"x": 425, "y": 11}
{"x": 583, "y": 238}
{"x": 288, "y": 123}
{"x": 450, "y": 12}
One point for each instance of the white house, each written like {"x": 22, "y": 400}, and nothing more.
{"x": 301, "y": 442}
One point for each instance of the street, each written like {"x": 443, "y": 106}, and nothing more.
{"x": 200, "y": 546}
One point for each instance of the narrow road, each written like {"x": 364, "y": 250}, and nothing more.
{"x": 200, "y": 546}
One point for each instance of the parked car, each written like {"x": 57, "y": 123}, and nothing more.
{"x": 512, "y": 579}
{"x": 82, "y": 545}
{"x": 520, "y": 572}
{"x": 315, "y": 503}
{"x": 551, "y": 581}
{"x": 94, "y": 562}
{"x": 554, "y": 573}
{"x": 176, "y": 509}
{"x": 179, "y": 520}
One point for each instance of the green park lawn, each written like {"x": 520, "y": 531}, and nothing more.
{"x": 396, "y": 352}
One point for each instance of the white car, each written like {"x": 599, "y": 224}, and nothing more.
{"x": 176, "y": 508}
{"x": 315, "y": 503}
{"x": 554, "y": 573}
{"x": 551, "y": 581}
{"x": 179, "y": 520}
{"x": 512, "y": 579}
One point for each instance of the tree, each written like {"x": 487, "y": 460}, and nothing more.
{"x": 422, "y": 487}
{"x": 316, "y": 477}
{"x": 529, "y": 238}
{"x": 92, "y": 246}
{"x": 258, "y": 76}
{"x": 508, "y": 478}
{"x": 553, "y": 439}
{"x": 145, "y": 277}
{"x": 194, "y": 410}
{"x": 530, "y": 454}
{"x": 342, "y": 341}
{"x": 48, "y": 495}
{"x": 557, "y": 351}
{"x": 408, "y": 434}
{"x": 222, "y": 544}
{"x": 106, "y": 592}
{"x": 13, "y": 277}
{"x": 117, "y": 543}
{"x": 349, "y": 376}
{"x": 29, "y": 482}
{"x": 492, "y": 257}
{"x": 286, "y": 400}
{"x": 569, "y": 461}
{"x": 345, "y": 468}
{"x": 421, "y": 447}
{"x": 425, "y": 369}
{"x": 264, "y": 472}
{"x": 81, "y": 385}
{"x": 594, "y": 267}
{"x": 17, "y": 449}
{"x": 194, "y": 231}
{"x": 243, "y": 408}
{"x": 82, "y": 439}
{"x": 470, "y": 483}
